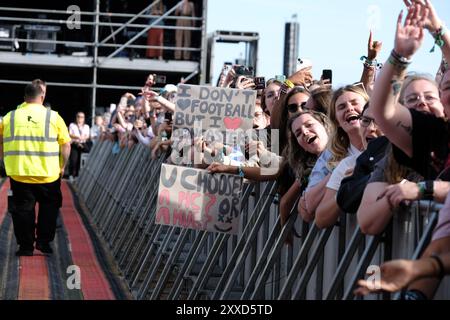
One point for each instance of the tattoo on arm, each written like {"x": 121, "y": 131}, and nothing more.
{"x": 408, "y": 129}
{"x": 396, "y": 86}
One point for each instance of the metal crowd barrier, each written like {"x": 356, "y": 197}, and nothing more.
{"x": 163, "y": 262}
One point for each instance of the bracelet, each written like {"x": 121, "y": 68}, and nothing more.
{"x": 286, "y": 85}
{"x": 426, "y": 189}
{"x": 371, "y": 63}
{"x": 438, "y": 40}
{"x": 421, "y": 187}
{"x": 398, "y": 61}
{"x": 441, "y": 268}
{"x": 241, "y": 172}
{"x": 289, "y": 83}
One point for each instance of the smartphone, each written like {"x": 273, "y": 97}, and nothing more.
{"x": 327, "y": 74}
{"x": 260, "y": 83}
{"x": 226, "y": 68}
{"x": 303, "y": 64}
{"x": 168, "y": 116}
{"x": 160, "y": 79}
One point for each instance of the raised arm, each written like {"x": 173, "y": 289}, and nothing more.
{"x": 435, "y": 26}
{"x": 394, "y": 119}
{"x": 370, "y": 63}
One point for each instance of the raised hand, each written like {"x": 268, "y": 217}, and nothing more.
{"x": 245, "y": 83}
{"x": 373, "y": 48}
{"x": 302, "y": 77}
{"x": 409, "y": 36}
{"x": 432, "y": 21}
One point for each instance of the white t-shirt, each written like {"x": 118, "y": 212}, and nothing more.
{"x": 321, "y": 169}
{"x": 82, "y": 133}
{"x": 339, "y": 172}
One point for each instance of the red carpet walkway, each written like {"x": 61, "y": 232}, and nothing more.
{"x": 3, "y": 200}
{"x": 35, "y": 279}
{"x": 94, "y": 284}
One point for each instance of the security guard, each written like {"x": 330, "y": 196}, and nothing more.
{"x": 35, "y": 145}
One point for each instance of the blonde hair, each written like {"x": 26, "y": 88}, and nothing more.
{"x": 340, "y": 141}
{"x": 410, "y": 78}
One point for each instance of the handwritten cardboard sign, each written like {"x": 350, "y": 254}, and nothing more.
{"x": 216, "y": 108}
{"x": 195, "y": 199}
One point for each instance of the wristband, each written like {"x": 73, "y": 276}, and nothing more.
{"x": 426, "y": 189}
{"x": 438, "y": 40}
{"x": 240, "y": 171}
{"x": 370, "y": 63}
{"x": 289, "y": 83}
{"x": 398, "y": 61}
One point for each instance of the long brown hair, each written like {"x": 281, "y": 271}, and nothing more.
{"x": 322, "y": 95}
{"x": 284, "y": 115}
{"x": 301, "y": 161}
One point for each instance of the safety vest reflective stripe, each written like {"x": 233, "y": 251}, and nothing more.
{"x": 31, "y": 142}
{"x": 31, "y": 138}
{"x": 47, "y": 123}
{"x": 11, "y": 123}
{"x": 32, "y": 153}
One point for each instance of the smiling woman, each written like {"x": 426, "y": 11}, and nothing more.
{"x": 346, "y": 107}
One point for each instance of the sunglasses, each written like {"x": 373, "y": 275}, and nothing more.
{"x": 293, "y": 107}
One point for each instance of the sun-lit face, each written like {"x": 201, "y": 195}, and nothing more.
{"x": 311, "y": 134}
{"x": 348, "y": 107}
{"x": 445, "y": 92}
{"x": 271, "y": 95}
{"x": 422, "y": 95}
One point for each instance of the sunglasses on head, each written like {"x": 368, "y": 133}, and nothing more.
{"x": 357, "y": 84}
{"x": 293, "y": 107}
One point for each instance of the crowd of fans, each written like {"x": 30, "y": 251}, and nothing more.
{"x": 369, "y": 148}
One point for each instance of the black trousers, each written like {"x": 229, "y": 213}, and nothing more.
{"x": 74, "y": 159}
{"x": 22, "y": 208}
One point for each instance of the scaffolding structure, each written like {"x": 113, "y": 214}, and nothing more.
{"x": 92, "y": 60}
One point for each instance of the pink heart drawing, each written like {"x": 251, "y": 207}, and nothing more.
{"x": 232, "y": 123}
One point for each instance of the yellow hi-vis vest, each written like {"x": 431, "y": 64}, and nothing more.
{"x": 30, "y": 142}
